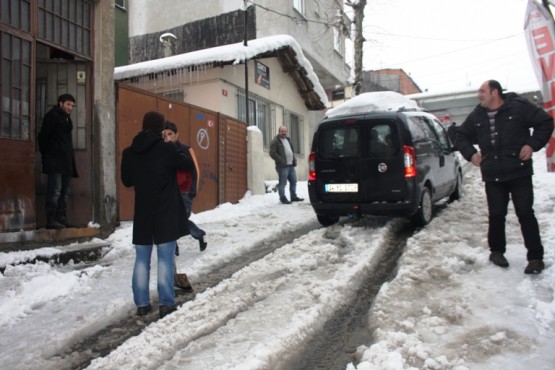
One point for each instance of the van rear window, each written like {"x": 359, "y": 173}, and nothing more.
{"x": 381, "y": 141}
{"x": 371, "y": 140}
{"x": 339, "y": 142}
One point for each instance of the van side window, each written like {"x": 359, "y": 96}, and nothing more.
{"x": 339, "y": 142}
{"x": 441, "y": 133}
{"x": 417, "y": 129}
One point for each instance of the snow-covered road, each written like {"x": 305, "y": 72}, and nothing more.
{"x": 448, "y": 308}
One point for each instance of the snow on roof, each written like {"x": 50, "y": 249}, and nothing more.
{"x": 235, "y": 53}
{"x": 378, "y": 101}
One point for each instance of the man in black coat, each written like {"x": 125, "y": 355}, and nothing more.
{"x": 150, "y": 166}
{"x": 501, "y": 126}
{"x": 58, "y": 160}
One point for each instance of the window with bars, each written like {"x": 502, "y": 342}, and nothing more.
{"x": 259, "y": 114}
{"x": 15, "y": 83}
{"x": 67, "y": 23}
{"x": 175, "y": 95}
{"x": 294, "y": 123}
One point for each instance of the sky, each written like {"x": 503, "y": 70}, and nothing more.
{"x": 450, "y": 45}
{"x": 447, "y": 307}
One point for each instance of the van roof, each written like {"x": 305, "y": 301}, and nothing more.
{"x": 379, "y": 101}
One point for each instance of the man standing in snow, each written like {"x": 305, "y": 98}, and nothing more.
{"x": 150, "y": 165}
{"x": 501, "y": 125}
{"x": 58, "y": 160}
{"x": 281, "y": 151}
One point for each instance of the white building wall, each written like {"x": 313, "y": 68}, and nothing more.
{"x": 312, "y": 31}
{"x": 147, "y": 16}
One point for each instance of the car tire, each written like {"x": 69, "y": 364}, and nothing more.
{"x": 457, "y": 193}
{"x": 423, "y": 216}
{"x": 326, "y": 220}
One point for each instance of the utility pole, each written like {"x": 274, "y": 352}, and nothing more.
{"x": 245, "y": 9}
{"x": 358, "y": 42}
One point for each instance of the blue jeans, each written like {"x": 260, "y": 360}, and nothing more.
{"x": 287, "y": 174}
{"x": 57, "y": 188}
{"x": 141, "y": 274}
{"x": 521, "y": 191}
{"x": 194, "y": 230}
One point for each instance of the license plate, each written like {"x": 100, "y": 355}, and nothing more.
{"x": 341, "y": 188}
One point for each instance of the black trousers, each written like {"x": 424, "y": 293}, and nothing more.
{"x": 521, "y": 192}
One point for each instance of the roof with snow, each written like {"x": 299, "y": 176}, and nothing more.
{"x": 283, "y": 47}
{"x": 379, "y": 101}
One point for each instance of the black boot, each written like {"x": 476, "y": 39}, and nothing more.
{"x": 61, "y": 217}
{"x": 202, "y": 243}
{"x": 51, "y": 222}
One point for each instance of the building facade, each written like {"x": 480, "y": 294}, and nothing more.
{"x": 158, "y": 30}
{"x": 50, "y": 48}
{"x": 389, "y": 79}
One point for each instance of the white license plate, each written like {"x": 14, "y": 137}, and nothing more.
{"x": 341, "y": 188}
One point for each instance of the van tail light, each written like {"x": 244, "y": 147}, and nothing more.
{"x": 311, "y": 167}
{"x": 410, "y": 161}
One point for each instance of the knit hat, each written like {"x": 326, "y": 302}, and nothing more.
{"x": 153, "y": 121}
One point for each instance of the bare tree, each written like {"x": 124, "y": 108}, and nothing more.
{"x": 358, "y": 40}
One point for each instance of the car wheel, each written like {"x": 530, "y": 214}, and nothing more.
{"x": 423, "y": 216}
{"x": 326, "y": 220}
{"x": 457, "y": 193}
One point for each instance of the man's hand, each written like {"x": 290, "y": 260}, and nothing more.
{"x": 526, "y": 153}
{"x": 476, "y": 159}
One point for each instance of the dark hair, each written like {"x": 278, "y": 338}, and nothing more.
{"x": 495, "y": 85}
{"x": 65, "y": 97}
{"x": 153, "y": 121}
{"x": 171, "y": 126}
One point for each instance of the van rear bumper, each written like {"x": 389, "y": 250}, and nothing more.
{"x": 404, "y": 208}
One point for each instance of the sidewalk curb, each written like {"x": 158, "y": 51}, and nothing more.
{"x": 84, "y": 252}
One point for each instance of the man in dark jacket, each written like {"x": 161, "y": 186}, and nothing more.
{"x": 58, "y": 160}
{"x": 150, "y": 166}
{"x": 281, "y": 151}
{"x": 501, "y": 125}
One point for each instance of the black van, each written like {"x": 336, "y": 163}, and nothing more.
{"x": 396, "y": 163}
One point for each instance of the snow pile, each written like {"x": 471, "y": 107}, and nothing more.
{"x": 379, "y": 101}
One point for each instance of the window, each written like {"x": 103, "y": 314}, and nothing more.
{"x": 16, "y": 95}
{"x": 341, "y": 142}
{"x": 441, "y": 133}
{"x": 175, "y": 95}
{"x": 338, "y": 41}
{"x": 381, "y": 141}
{"x": 121, "y": 3}
{"x": 16, "y": 13}
{"x": 420, "y": 130}
{"x": 294, "y": 122}
{"x": 299, "y": 6}
{"x": 259, "y": 114}
{"x": 67, "y": 23}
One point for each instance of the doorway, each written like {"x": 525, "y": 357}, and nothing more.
{"x": 59, "y": 73}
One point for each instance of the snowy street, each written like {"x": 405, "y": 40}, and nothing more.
{"x": 448, "y": 307}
